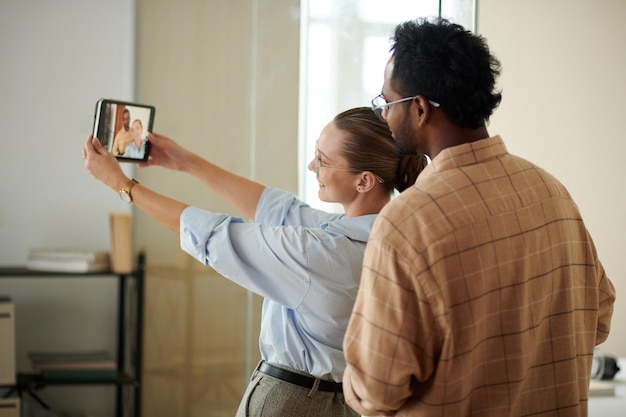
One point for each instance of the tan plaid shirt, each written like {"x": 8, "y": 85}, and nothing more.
{"x": 481, "y": 294}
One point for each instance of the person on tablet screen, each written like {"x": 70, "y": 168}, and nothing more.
{"x": 124, "y": 136}
{"x": 137, "y": 148}
{"x": 306, "y": 263}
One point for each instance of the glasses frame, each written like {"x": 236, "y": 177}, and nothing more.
{"x": 321, "y": 164}
{"x": 380, "y": 108}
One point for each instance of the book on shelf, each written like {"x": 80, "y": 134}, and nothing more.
{"x": 75, "y": 266}
{"x": 69, "y": 253}
{"x": 601, "y": 389}
{"x": 70, "y": 260}
{"x": 99, "y": 360}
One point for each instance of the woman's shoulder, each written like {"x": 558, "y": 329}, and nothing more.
{"x": 355, "y": 228}
{"x": 278, "y": 207}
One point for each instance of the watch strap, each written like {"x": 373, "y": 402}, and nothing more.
{"x": 128, "y": 187}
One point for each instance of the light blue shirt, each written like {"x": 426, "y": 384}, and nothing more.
{"x": 306, "y": 263}
{"x": 132, "y": 151}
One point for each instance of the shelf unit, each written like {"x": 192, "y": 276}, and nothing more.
{"x": 130, "y": 307}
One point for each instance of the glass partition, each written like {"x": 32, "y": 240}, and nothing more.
{"x": 343, "y": 51}
{"x": 233, "y": 82}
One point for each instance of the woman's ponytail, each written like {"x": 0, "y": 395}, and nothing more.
{"x": 409, "y": 168}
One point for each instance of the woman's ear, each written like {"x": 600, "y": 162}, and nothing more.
{"x": 366, "y": 181}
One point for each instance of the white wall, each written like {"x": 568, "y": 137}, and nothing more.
{"x": 57, "y": 59}
{"x": 564, "y": 92}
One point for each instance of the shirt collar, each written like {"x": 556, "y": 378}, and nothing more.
{"x": 466, "y": 154}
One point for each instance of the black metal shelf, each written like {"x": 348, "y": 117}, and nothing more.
{"x": 36, "y": 380}
{"x": 129, "y": 338}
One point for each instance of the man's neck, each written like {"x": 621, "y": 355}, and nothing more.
{"x": 453, "y": 136}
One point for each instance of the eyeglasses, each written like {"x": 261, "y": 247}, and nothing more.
{"x": 380, "y": 105}
{"x": 321, "y": 164}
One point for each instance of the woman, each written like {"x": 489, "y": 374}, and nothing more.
{"x": 137, "y": 148}
{"x": 306, "y": 263}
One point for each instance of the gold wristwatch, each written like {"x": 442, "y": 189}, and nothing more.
{"x": 125, "y": 191}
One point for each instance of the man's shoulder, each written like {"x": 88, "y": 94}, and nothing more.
{"x": 413, "y": 198}
{"x": 402, "y": 224}
{"x": 426, "y": 204}
{"x": 407, "y": 208}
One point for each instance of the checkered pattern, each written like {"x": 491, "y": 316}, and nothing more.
{"x": 481, "y": 295}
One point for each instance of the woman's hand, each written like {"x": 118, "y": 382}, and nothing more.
{"x": 103, "y": 165}
{"x": 167, "y": 153}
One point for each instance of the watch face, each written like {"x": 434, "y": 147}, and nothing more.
{"x": 124, "y": 195}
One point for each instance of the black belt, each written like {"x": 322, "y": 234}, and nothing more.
{"x": 298, "y": 379}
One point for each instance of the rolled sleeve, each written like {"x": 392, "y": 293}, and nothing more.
{"x": 269, "y": 261}
{"x": 196, "y": 228}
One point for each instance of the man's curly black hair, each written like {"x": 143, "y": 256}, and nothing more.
{"x": 447, "y": 64}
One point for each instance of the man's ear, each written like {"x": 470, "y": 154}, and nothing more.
{"x": 423, "y": 109}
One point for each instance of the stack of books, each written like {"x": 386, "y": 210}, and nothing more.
{"x": 68, "y": 260}
{"x": 74, "y": 366}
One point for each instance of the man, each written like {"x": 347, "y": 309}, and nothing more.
{"x": 124, "y": 136}
{"x": 481, "y": 293}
